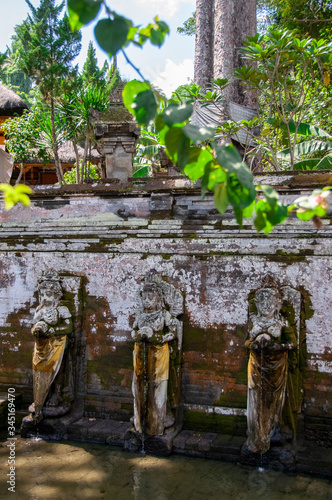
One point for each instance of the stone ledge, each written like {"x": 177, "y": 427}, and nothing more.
{"x": 102, "y": 431}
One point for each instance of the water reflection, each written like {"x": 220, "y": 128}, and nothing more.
{"x": 77, "y": 471}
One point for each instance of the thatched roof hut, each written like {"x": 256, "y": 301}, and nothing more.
{"x": 10, "y": 102}
{"x": 36, "y": 172}
{"x": 67, "y": 154}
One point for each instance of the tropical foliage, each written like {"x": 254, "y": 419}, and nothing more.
{"x": 48, "y": 48}
{"x": 220, "y": 168}
{"x": 71, "y": 176}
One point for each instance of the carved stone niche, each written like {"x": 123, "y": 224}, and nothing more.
{"x": 275, "y": 392}
{"x": 59, "y": 360}
{"x": 157, "y": 332}
{"x": 118, "y": 134}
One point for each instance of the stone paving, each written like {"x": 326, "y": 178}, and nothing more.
{"x": 79, "y": 471}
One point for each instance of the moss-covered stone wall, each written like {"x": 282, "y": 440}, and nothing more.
{"x": 111, "y": 236}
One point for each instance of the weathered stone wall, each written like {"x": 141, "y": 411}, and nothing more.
{"x": 111, "y": 235}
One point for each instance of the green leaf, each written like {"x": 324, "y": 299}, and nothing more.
{"x": 140, "y": 100}
{"x": 217, "y": 174}
{"x": 205, "y": 178}
{"x": 239, "y": 195}
{"x": 238, "y": 212}
{"x": 305, "y": 148}
{"x": 154, "y": 32}
{"x": 269, "y": 215}
{"x": 260, "y": 222}
{"x": 229, "y": 158}
{"x": 309, "y": 164}
{"x": 22, "y": 188}
{"x": 305, "y": 214}
{"x": 82, "y": 12}
{"x": 178, "y": 146}
{"x": 177, "y": 114}
{"x": 213, "y": 174}
{"x": 220, "y": 197}
{"x": 111, "y": 34}
{"x": 197, "y": 160}
{"x": 325, "y": 163}
{"x": 15, "y": 194}
{"x": 197, "y": 134}
{"x": 270, "y": 195}
{"x": 146, "y": 107}
{"x": 161, "y": 127}
{"x": 304, "y": 129}
{"x": 142, "y": 172}
{"x": 248, "y": 211}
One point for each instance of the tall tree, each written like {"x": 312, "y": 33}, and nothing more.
{"x": 49, "y": 50}
{"x": 91, "y": 74}
{"x": 11, "y": 73}
{"x": 204, "y": 43}
{"x": 221, "y": 26}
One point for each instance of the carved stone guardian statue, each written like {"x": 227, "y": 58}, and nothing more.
{"x": 157, "y": 359}
{"x": 52, "y": 327}
{"x": 58, "y": 373}
{"x": 271, "y": 338}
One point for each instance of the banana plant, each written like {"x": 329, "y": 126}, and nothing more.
{"x": 147, "y": 152}
{"x": 320, "y": 140}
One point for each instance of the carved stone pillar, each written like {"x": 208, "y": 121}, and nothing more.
{"x": 118, "y": 144}
{"x": 118, "y": 133}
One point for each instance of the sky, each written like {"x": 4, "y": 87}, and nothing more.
{"x": 166, "y": 67}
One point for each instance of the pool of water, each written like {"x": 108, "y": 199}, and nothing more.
{"x": 78, "y": 471}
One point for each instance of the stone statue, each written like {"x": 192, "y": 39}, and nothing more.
{"x": 270, "y": 340}
{"x": 52, "y": 325}
{"x": 158, "y": 340}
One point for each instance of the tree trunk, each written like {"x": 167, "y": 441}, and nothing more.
{"x": 85, "y": 154}
{"x": 77, "y": 162}
{"x": 18, "y": 180}
{"x": 204, "y": 43}
{"x": 55, "y": 147}
{"x": 221, "y": 26}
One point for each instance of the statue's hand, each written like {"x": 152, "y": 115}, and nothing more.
{"x": 39, "y": 328}
{"x": 262, "y": 341}
{"x": 168, "y": 337}
{"x": 144, "y": 333}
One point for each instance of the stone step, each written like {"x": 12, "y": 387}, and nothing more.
{"x": 98, "y": 431}
{"x": 208, "y": 445}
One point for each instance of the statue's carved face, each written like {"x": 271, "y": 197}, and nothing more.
{"x": 151, "y": 300}
{"x": 267, "y": 302}
{"x": 48, "y": 296}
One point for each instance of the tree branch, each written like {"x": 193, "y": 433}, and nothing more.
{"x": 132, "y": 65}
